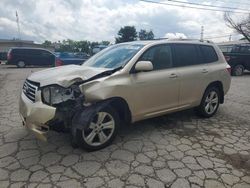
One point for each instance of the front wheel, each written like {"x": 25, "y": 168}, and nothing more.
{"x": 101, "y": 130}
{"x": 210, "y": 102}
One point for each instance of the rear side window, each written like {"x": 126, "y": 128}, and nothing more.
{"x": 45, "y": 53}
{"x": 186, "y": 54}
{"x": 160, "y": 56}
{"x": 245, "y": 49}
{"x": 209, "y": 53}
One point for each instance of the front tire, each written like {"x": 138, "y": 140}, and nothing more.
{"x": 238, "y": 70}
{"x": 101, "y": 130}
{"x": 210, "y": 102}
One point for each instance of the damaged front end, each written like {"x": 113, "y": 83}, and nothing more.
{"x": 70, "y": 104}
{"x": 67, "y": 102}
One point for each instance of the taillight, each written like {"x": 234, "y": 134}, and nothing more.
{"x": 58, "y": 62}
{"x": 227, "y": 58}
{"x": 229, "y": 69}
{"x": 9, "y": 56}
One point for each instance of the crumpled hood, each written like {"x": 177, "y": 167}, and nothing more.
{"x": 64, "y": 75}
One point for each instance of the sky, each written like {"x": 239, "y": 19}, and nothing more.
{"x": 97, "y": 20}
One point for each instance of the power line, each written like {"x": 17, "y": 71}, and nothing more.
{"x": 204, "y": 5}
{"x": 230, "y": 2}
{"x": 187, "y": 6}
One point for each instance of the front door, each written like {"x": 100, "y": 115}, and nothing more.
{"x": 156, "y": 91}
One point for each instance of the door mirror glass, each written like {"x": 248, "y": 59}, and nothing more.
{"x": 143, "y": 66}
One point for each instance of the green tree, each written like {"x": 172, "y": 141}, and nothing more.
{"x": 126, "y": 34}
{"x": 82, "y": 46}
{"x": 47, "y": 43}
{"x": 146, "y": 35}
{"x": 104, "y": 42}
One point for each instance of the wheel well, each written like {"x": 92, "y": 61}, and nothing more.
{"x": 218, "y": 85}
{"x": 240, "y": 63}
{"x": 121, "y": 106}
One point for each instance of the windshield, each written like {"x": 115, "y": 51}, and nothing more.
{"x": 114, "y": 56}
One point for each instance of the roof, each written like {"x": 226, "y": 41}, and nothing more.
{"x": 160, "y": 41}
{"x": 30, "y": 48}
{"x": 234, "y": 42}
{"x": 15, "y": 40}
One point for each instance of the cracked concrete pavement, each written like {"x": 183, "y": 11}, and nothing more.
{"x": 179, "y": 150}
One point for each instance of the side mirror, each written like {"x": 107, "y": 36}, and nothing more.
{"x": 143, "y": 66}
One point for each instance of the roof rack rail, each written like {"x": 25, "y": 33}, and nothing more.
{"x": 180, "y": 39}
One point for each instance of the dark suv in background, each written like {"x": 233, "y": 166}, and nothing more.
{"x": 238, "y": 57}
{"x": 22, "y": 57}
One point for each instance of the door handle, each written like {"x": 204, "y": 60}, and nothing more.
{"x": 204, "y": 71}
{"x": 173, "y": 75}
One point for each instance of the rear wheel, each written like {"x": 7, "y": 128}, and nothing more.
{"x": 238, "y": 70}
{"x": 210, "y": 102}
{"x": 101, "y": 130}
{"x": 21, "y": 64}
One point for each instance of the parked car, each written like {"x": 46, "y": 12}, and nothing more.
{"x": 82, "y": 55}
{"x": 98, "y": 48}
{"x": 22, "y": 57}
{"x": 125, "y": 83}
{"x": 238, "y": 57}
{"x": 68, "y": 58}
{"x": 3, "y": 56}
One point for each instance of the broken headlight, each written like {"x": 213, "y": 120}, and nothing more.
{"x": 56, "y": 94}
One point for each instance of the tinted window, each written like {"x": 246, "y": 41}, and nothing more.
{"x": 226, "y": 48}
{"x": 160, "y": 56}
{"x": 45, "y": 53}
{"x": 235, "y": 48}
{"x": 209, "y": 54}
{"x": 245, "y": 49}
{"x": 186, "y": 54}
{"x": 34, "y": 52}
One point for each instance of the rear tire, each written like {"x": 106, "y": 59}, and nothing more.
{"x": 101, "y": 130}
{"x": 210, "y": 102}
{"x": 238, "y": 70}
{"x": 21, "y": 64}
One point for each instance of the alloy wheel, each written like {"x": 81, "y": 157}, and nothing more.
{"x": 211, "y": 102}
{"x": 99, "y": 130}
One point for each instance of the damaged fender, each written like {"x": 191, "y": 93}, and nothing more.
{"x": 83, "y": 117}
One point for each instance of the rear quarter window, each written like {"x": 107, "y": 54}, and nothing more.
{"x": 209, "y": 53}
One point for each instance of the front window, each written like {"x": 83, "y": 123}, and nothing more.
{"x": 114, "y": 56}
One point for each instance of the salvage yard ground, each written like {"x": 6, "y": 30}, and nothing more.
{"x": 178, "y": 150}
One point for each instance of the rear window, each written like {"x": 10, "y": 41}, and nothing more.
{"x": 209, "y": 53}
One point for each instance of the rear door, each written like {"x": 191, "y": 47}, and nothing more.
{"x": 33, "y": 56}
{"x": 192, "y": 72}
{"x": 46, "y": 58}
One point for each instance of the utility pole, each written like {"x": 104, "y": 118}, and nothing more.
{"x": 230, "y": 37}
{"x": 18, "y": 26}
{"x": 202, "y": 32}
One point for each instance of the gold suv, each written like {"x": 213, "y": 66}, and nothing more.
{"x": 124, "y": 83}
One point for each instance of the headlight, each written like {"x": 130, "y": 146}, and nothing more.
{"x": 56, "y": 94}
